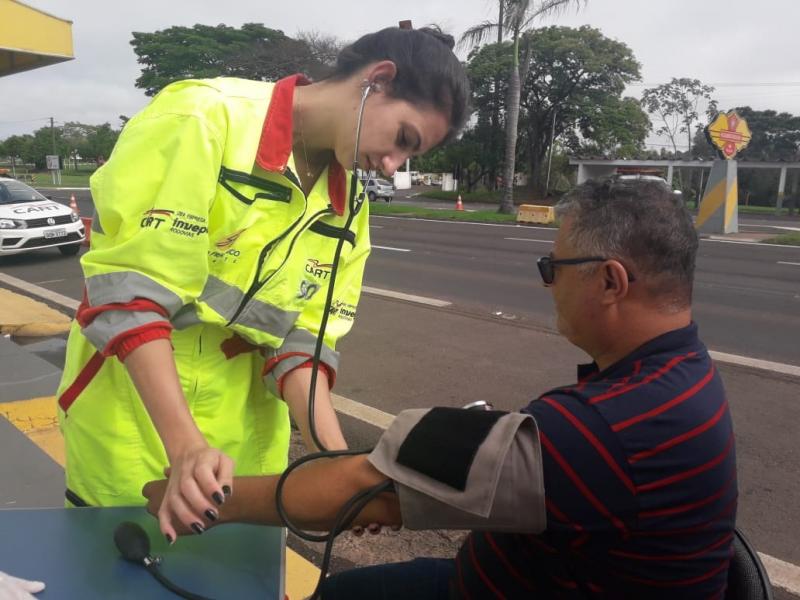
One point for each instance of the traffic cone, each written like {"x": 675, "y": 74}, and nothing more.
{"x": 73, "y": 204}
{"x": 459, "y": 203}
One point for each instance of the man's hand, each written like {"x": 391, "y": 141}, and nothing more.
{"x": 14, "y": 588}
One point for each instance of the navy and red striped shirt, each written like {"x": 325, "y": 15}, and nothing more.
{"x": 640, "y": 486}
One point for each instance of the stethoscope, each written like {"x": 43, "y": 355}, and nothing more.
{"x": 355, "y": 203}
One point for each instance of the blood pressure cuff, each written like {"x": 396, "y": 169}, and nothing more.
{"x": 465, "y": 469}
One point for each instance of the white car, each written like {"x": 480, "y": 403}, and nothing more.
{"x": 30, "y": 221}
{"x": 378, "y": 188}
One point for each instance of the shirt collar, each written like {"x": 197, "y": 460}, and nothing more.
{"x": 672, "y": 341}
{"x": 275, "y": 145}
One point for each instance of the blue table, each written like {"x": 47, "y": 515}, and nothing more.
{"x": 73, "y": 552}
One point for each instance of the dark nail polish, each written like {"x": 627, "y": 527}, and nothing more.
{"x": 198, "y": 529}
{"x": 169, "y": 538}
{"x": 217, "y": 497}
{"x": 226, "y": 489}
{"x": 211, "y": 515}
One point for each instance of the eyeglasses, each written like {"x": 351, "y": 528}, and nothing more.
{"x": 547, "y": 266}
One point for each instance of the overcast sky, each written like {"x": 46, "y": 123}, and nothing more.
{"x": 716, "y": 41}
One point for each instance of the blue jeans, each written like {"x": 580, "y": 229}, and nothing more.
{"x": 420, "y": 579}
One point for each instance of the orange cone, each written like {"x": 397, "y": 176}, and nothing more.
{"x": 73, "y": 204}
{"x": 459, "y": 203}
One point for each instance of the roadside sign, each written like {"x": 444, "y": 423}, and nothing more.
{"x": 52, "y": 162}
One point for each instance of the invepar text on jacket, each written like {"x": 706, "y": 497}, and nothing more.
{"x": 200, "y": 228}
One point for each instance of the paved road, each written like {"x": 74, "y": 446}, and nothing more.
{"x": 746, "y": 301}
{"x": 747, "y": 298}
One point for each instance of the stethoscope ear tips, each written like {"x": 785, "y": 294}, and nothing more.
{"x": 372, "y": 86}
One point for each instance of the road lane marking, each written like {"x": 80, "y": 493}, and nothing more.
{"x": 376, "y": 226}
{"x": 529, "y": 240}
{"x": 40, "y": 291}
{"x": 784, "y": 246}
{"x": 407, "y": 297}
{"x": 781, "y": 262}
{"x": 393, "y": 249}
{"x": 756, "y": 363}
{"x": 50, "y": 281}
{"x": 362, "y": 412}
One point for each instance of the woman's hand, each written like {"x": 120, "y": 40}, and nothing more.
{"x": 199, "y": 481}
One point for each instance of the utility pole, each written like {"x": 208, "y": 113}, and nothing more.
{"x": 53, "y": 134}
{"x": 56, "y": 174}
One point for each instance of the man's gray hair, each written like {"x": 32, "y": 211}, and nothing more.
{"x": 642, "y": 224}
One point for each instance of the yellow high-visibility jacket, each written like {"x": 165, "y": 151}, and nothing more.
{"x": 203, "y": 234}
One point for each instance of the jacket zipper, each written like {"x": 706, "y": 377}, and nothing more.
{"x": 257, "y": 285}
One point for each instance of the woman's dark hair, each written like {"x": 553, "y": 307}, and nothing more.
{"x": 427, "y": 70}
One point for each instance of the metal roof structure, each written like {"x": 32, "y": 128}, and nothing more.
{"x": 31, "y": 38}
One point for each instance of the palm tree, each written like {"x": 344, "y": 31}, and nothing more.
{"x": 516, "y": 16}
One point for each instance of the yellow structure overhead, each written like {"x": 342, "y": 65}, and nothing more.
{"x": 31, "y": 38}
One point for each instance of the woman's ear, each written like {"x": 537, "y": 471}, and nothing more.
{"x": 380, "y": 75}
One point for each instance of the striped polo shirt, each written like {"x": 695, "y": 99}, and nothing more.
{"x": 640, "y": 485}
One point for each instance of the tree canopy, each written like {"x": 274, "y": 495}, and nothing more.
{"x": 252, "y": 52}
{"x": 576, "y": 75}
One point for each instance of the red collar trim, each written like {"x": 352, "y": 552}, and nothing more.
{"x": 275, "y": 145}
{"x": 337, "y": 186}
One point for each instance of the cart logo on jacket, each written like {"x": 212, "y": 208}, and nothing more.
{"x": 184, "y": 224}
{"x": 317, "y": 269}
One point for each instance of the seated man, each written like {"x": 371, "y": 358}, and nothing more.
{"x": 637, "y": 457}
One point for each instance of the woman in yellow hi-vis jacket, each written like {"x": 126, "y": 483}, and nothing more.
{"x": 217, "y": 217}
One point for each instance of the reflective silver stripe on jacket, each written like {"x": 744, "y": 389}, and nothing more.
{"x": 301, "y": 340}
{"x": 222, "y": 297}
{"x": 108, "y": 325}
{"x": 125, "y": 286}
{"x": 261, "y": 316}
{"x": 186, "y": 317}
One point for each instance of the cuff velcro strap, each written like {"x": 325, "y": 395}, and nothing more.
{"x": 453, "y": 435}
{"x": 498, "y": 458}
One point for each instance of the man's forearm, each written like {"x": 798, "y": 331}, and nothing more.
{"x": 312, "y": 495}
{"x": 153, "y": 372}
{"x": 296, "y": 385}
